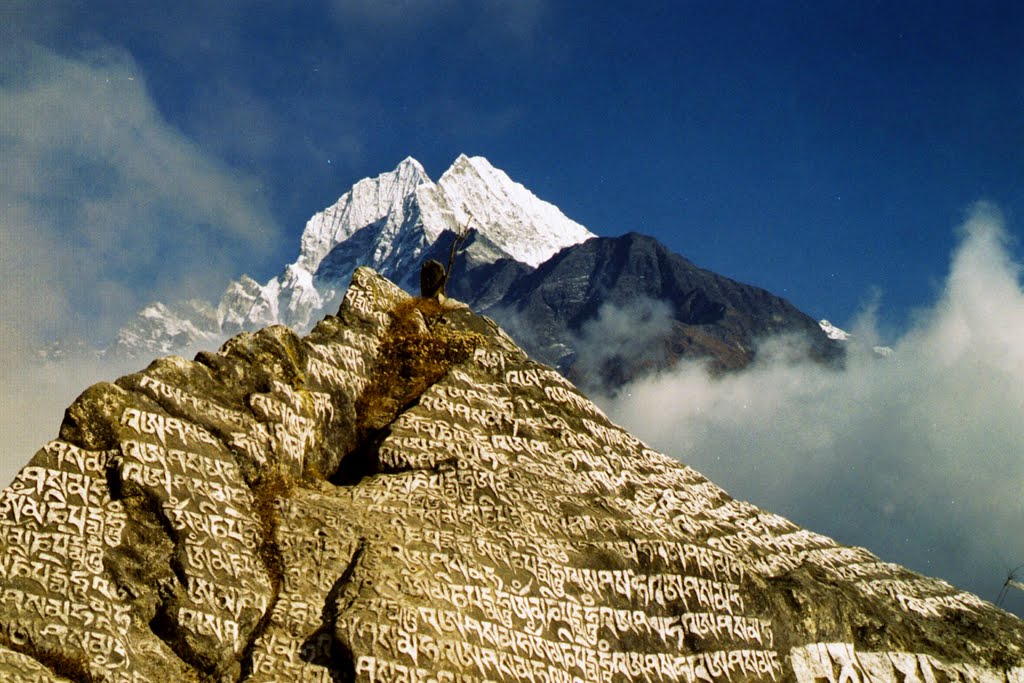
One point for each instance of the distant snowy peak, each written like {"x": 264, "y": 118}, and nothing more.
{"x": 369, "y": 202}
{"x": 164, "y": 329}
{"x": 841, "y": 335}
{"x": 529, "y": 229}
{"x": 512, "y": 218}
{"x": 388, "y": 223}
{"x": 833, "y": 332}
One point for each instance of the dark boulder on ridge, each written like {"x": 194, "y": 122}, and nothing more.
{"x": 403, "y": 495}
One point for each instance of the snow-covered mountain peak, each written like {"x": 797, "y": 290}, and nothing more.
{"x": 529, "y": 229}
{"x": 411, "y": 165}
{"x": 833, "y": 332}
{"x": 386, "y": 222}
{"x": 838, "y": 334}
{"x": 370, "y": 200}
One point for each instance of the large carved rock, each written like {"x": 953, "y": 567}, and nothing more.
{"x": 404, "y": 496}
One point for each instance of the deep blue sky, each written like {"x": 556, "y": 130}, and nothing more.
{"x": 817, "y": 149}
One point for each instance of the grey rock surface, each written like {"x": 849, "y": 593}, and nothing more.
{"x": 403, "y": 495}
{"x": 613, "y": 309}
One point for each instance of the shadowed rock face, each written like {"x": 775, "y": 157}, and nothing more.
{"x": 337, "y": 508}
{"x": 555, "y": 311}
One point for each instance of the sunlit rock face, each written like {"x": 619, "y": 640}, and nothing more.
{"x": 403, "y": 495}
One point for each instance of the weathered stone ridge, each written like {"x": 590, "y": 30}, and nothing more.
{"x": 239, "y": 518}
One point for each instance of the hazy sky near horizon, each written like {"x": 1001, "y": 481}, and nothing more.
{"x": 829, "y": 152}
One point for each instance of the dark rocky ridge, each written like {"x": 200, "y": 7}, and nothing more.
{"x": 707, "y": 316}
{"x": 242, "y": 517}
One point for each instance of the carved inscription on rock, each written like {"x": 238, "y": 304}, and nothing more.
{"x": 162, "y": 459}
{"x": 494, "y": 603}
{"x": 58, "y": 521}
{"x": 503, "y": 530}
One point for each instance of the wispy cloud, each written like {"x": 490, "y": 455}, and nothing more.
{"x": 621, "y": 341}
{"x": 127, "y": 205}
{"x": 105, "y": 206}
{"x": 918, "y": 456}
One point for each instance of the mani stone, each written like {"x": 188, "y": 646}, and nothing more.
{"x": 383, "y": 501}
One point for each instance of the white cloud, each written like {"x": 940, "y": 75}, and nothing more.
{"x": 105, "y": 206}
{"x": 622, "y": 337}
{"x": 919, "y": 456}
{"x": 91, "y": 166}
